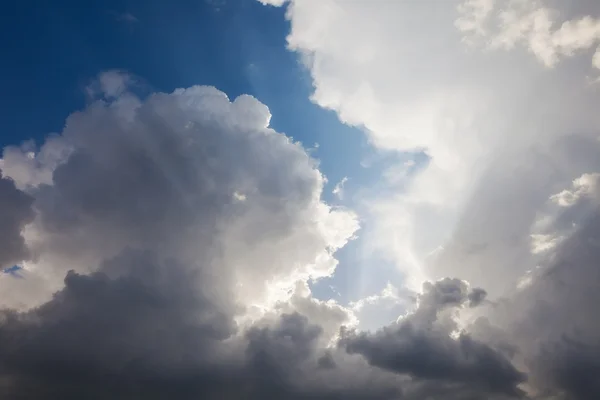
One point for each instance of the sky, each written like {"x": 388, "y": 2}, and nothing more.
{"x": 300, "y": 199}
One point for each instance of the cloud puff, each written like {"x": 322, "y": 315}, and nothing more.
{"x": 110, "y": 84}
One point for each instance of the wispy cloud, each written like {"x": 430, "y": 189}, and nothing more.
{"x": 125, "y": 17}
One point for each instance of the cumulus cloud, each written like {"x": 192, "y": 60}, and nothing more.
{"x": 421, "y": 344}
{"x": 162, "y": 174}
{"x": 383, "y": 307}
{"x": 110, "y": 84}
{"x": 553, "y": 320}
{"x": 463, "y": 109}
{"x": 143, "y": 259}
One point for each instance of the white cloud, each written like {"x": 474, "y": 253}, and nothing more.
{"x": 541, "y": 243}
{"x": 110, "y": 84}
{"x": 532, "y": 24}
{"x": 402, "y": 72}
{"x": 503, "y": 134}
{"x": 585, "y": 185}
{"x": 126, "y": 17}
{"x": 277, "y": 3}
{"x": 338, "y": 189}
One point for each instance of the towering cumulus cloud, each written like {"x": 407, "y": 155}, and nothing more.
{"x": 158, "y": 223}
{"x": 501, "y": 97}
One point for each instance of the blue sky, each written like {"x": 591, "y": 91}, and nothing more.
{"x": 52, "y": 52}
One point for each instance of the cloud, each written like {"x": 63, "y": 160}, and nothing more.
{"x": 338, "y": 190}
{"x": 506, "y": 24}
{"x": 125, "y": 17}
{"x": 136, "y": 328}
{"x": 553, "y": 320}
{"x": 16, "y": 211}
{"x": 468, "y": 111}
{"x": 585, "y": 185}
{"x": 504, "y": 135}
{"x": 476, "y": 297}
{"x": 277, "y": 3}
{"x": 147, "y": 322}
{"x": 421, "y": 345}
{"x": 110, "y": 84}
{"x": 382, "y": 308}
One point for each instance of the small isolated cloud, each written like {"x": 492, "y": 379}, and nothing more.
{"x": 126, "y": 18}
{"x": 338, "y": 189}
{"x": 110, "y": 84}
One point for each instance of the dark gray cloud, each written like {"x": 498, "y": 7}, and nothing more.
{"x": 421, "y": 345}
{"x": 15, "y": 212}
{"x": 146, "y": 323}
{"x": 149, "y": 333}
{"x": 434, "y": 356}
{"x": 476, "y": 297}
